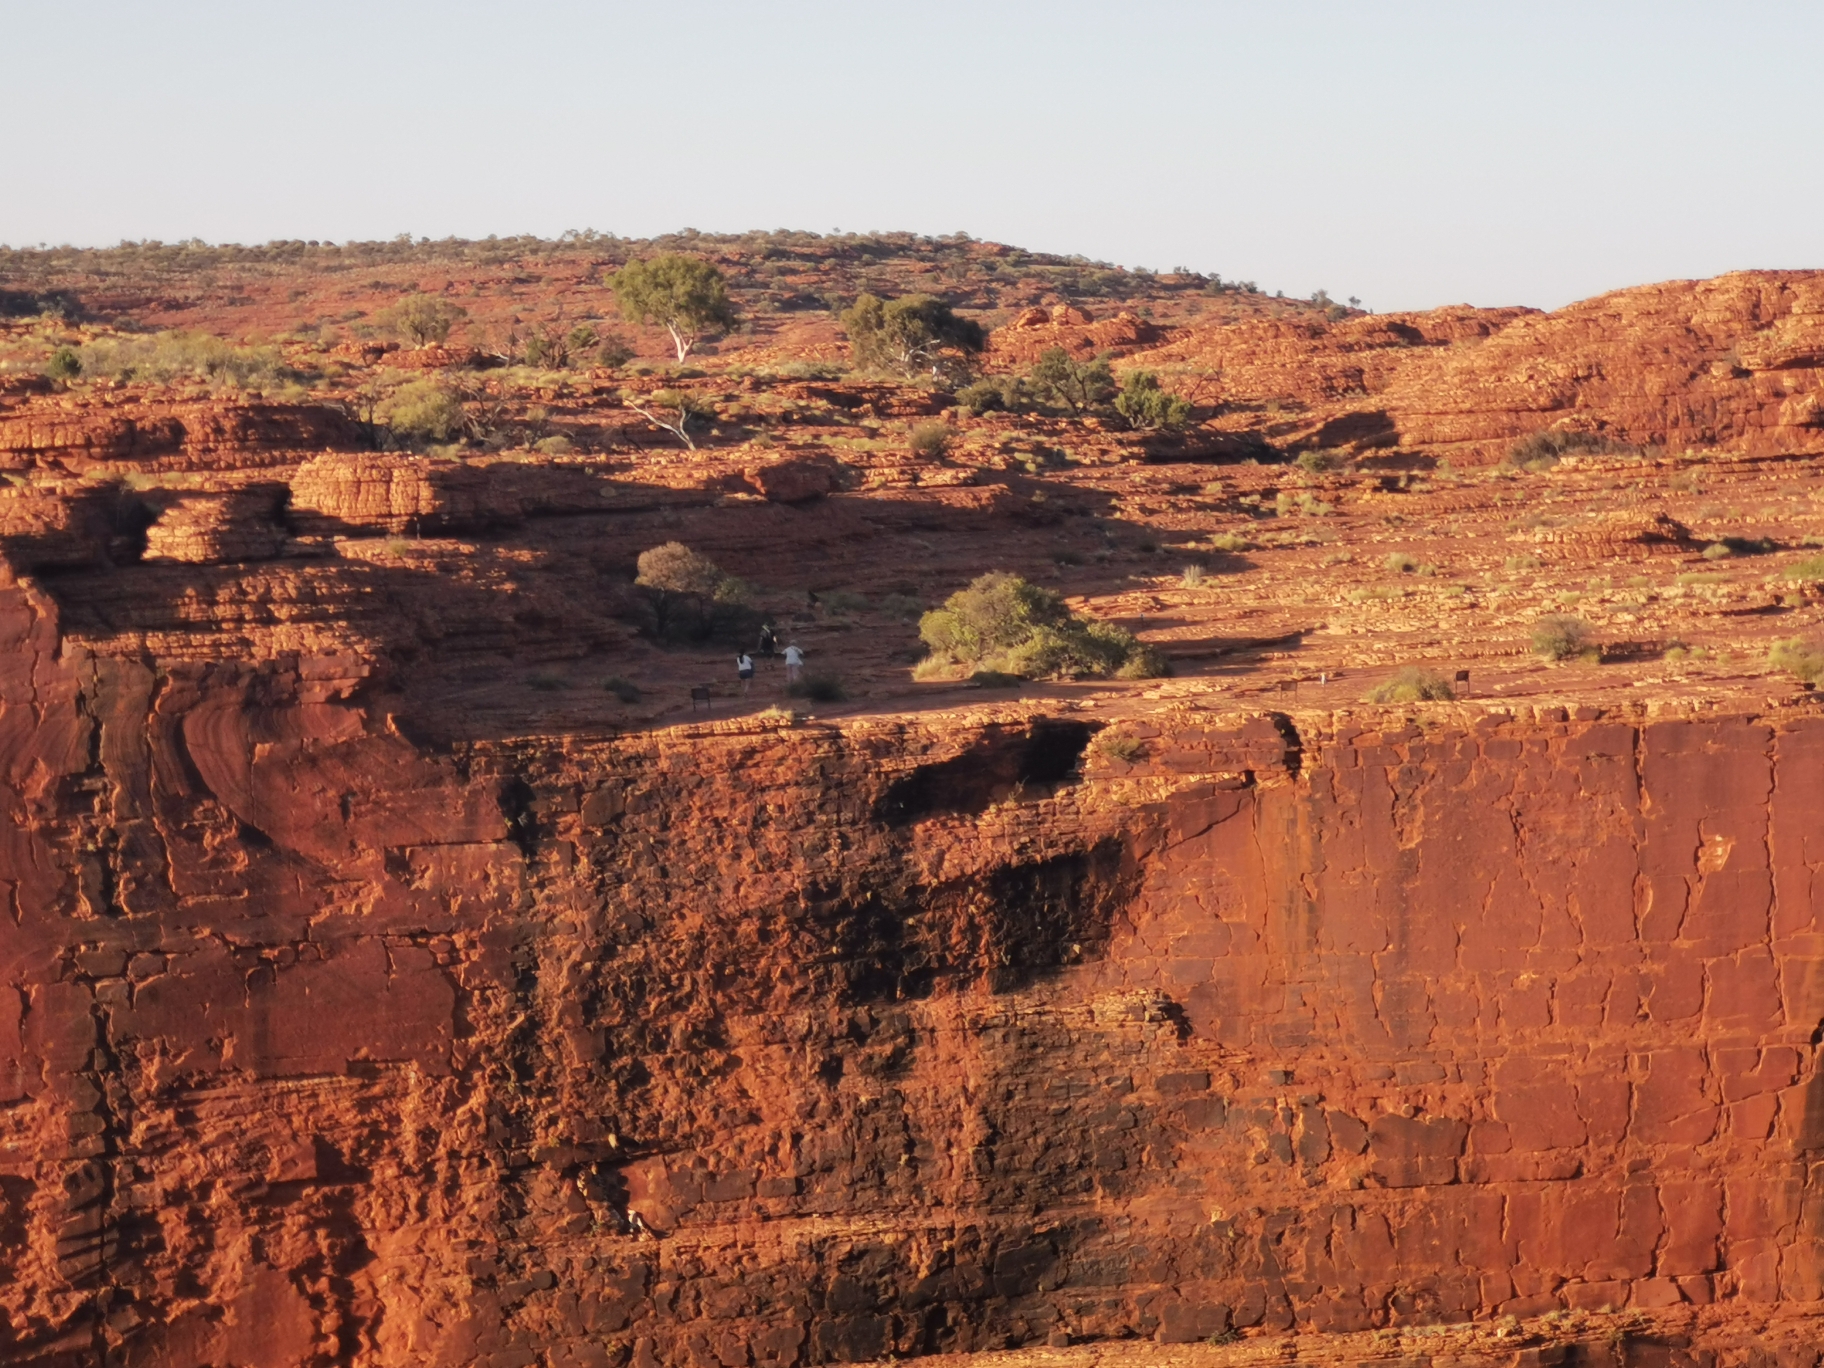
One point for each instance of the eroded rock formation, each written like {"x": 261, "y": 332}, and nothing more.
{"x": 777, "y": 1045}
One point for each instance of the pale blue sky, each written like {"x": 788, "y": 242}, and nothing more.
{"x": 1411, "y": 154}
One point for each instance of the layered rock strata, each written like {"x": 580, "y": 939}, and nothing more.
{"x": 762, "y": 1045}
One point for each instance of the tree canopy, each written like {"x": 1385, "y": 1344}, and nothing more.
{"x": 1003, "y": 623}
{"x": 685, "y": 295}
{"x": 421, "y": 319}
{"x": 1059, "y": 378}
{"x": 1147, "y": 407}
{"x": 911, "y": 334}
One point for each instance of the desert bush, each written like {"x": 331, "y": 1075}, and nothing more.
{"x": 821, "y": 687}
{"x": 844, "y": 601}
{"x": 1147, "y": 407}
{"x": 421, "y": 410}
{"x": 685, "y": 295}
{"x": 1401, "y": 563}
{"x": 1059, "y": 378}
{"x": 1718, "y": 551}
{"x": 911, "y": 335}
{"x": 1230, "y": 541}
{"x": 1807, "y": 570}
{"x": 614, "y": 351}
{"x": 1114, "y": 745}
{"x": 1542, "y": 450}
{"x": 1802, "y": 659}
{"x": 1559, "y": 636}
{"x": 992, "y": 393}
{"x": 624, "y": 689}
{"x": 930, "y": 440}
{"x": 1002, "y": 622}
{"x": 675, "y": 575}
{"x": 420, "y": 319}
{"x": 176, "y": 356}
{"x": 1321, "y": 462}
{"x": 1412, "y": 685}
{"x": 548, "y": 683}
{"x": 995, "y": 679}
{"x": 65, "y": 365}
{"x": 1192, "y": 577}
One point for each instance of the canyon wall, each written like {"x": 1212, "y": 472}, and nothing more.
{"x": 752, "y": 1044}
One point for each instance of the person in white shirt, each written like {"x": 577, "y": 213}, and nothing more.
{"x": 744, "y": 670}
{"x": 794, "y": 662}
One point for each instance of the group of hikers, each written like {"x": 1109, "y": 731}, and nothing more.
{"x": 769, "y": 650}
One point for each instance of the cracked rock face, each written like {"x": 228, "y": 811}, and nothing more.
{"x": 811, "y": 1044}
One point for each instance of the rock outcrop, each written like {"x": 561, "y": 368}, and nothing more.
{"x": 908, "y": 1041}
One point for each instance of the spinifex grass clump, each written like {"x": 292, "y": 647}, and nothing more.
{"x": 1004, "y": 624}
{"x": 1559, "y": 636}
{"x": 1802, "y": 659}
{"x": 1412, "y": 685}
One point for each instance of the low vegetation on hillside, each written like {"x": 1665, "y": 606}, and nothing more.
{"x": 1005, "y": 625}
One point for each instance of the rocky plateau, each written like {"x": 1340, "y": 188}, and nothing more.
{"x": 414, "y": 955}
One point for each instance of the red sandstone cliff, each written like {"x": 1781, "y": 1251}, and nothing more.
{"x": 772, "y": 1046}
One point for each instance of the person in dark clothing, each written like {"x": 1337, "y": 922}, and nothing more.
{"x": 769, "y": 644}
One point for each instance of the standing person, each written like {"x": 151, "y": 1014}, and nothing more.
{"x": 744, "y": 670}
{"x": 769, "y": 644}
{"x": 794, "y": 662}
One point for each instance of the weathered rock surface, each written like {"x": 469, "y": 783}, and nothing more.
{"x": 906, "y": 1041}
{"x": 393, "y": 493}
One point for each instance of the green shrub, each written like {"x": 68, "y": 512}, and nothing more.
{"x": 65, "y": 365}
{"x": 1401, "y": 563}
{"x": 1059, "y": 378}
{"x": 623, "y": 689}
{"x": 1192, "y": 577}
{"x": 1718, "y": 551}
{"x": 1559, "y": 636}
{"x": 930, "y": 440}
{"x": 420, "y": 319}
{"x": 1001, "y": 622}
{"x": 548, "y": 683}
{"x": 1230, "y": 541}
{"x": 1412, "y": 685}
{"x": 1803, "y": 659}
{"x": 995, "y": 679}
{"x": 177, "y": 356}
{"x": 421, "y": 410}
{"x": 911, "y": 335}
{"x": 1808, "y": 570}
{"x": 675, "y": 575}
{"x": 1147, "y": 407}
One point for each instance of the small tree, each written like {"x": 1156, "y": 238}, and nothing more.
{"x": 912, "y": 334}
{"x": 421, "y": 319}
{"x": 685, "y": 295}
{"x": 1004, "y": 624}
{"x": 1059, "y": 378}
{"x": 1149, "y": 408}
{"x": 668, "y": 410}
{"x": 674, "y": 572}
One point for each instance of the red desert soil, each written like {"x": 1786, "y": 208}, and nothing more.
{"x": 404, "y": 968}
